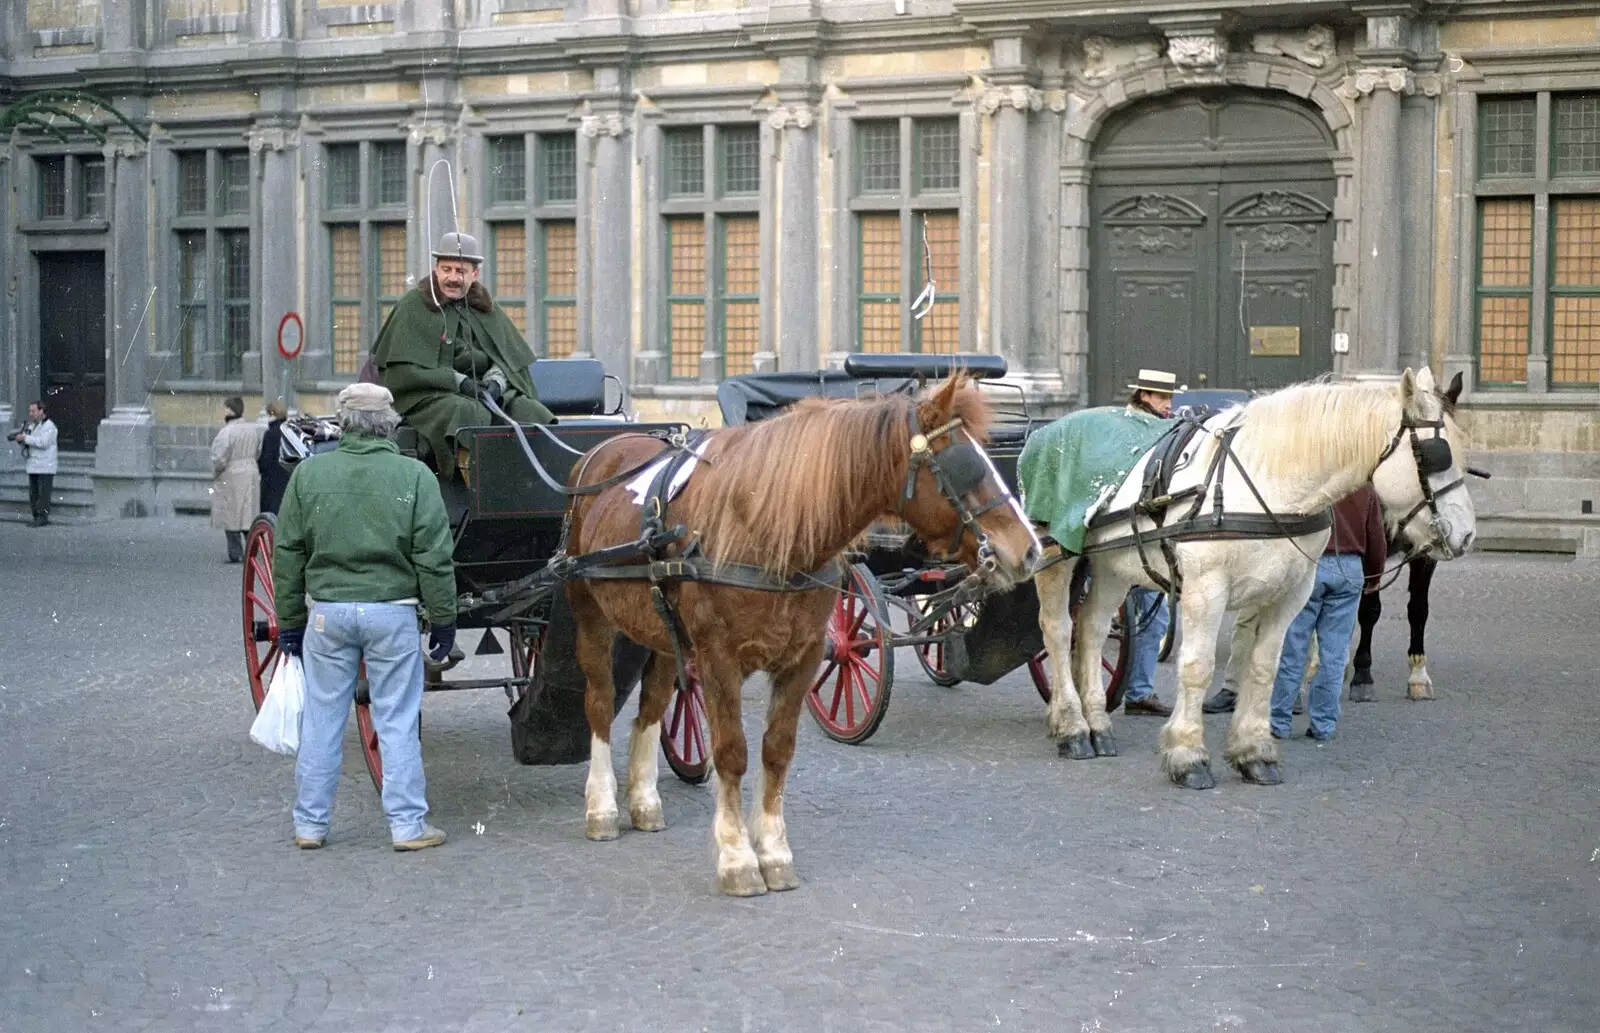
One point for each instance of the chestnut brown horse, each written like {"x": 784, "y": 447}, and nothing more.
{"x": 787, "y": 496}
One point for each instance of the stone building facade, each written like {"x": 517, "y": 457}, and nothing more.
{"x": 1248, "y": 194}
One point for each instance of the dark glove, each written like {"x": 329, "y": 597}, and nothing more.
{"x": 290, "y": 640}
{"x": 493, "y": 390}
{"x": 441, "y": 639}
{"x": 469, "y": 387}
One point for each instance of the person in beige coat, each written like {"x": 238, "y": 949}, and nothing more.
{"x": 237, "y": 495}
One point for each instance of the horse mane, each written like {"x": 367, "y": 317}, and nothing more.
{"x": 1315, "y": 424}
{"x": 788, "y": 492}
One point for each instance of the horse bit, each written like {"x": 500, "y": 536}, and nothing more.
{"x": 958, "y": 471}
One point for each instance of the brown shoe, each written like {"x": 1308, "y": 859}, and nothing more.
{"x": 1151, "y": 705}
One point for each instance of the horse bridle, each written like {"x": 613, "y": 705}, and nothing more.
{"x": 959, "y": 470}
{"x": 1433, "y": 457}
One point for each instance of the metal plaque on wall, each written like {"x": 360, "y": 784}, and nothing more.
{"x": 1274, "y": 340}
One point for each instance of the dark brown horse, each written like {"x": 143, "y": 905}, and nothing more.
{"x": 786, "y": 496}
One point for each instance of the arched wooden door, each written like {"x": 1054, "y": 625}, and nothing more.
{"x": 1212, "y": 243}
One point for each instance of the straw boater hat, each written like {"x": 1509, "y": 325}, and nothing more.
{"x": 1157, "y": 381}
{"x": 463, "y": 246}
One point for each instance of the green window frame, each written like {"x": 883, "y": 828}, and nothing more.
{"x": 212, "y": 261}
{"x": 365, "y": 214}
{"x": 907, "y": 216}
{"x": 1537, "y": 277}
{"x": 711, "y": 249}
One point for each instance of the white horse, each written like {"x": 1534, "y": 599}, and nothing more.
{"x": 1304, "y": 448}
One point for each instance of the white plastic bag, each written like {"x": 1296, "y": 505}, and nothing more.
{"x": 277, "y": 727}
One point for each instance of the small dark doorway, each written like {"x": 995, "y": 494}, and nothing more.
{"x": 72, "y": 344}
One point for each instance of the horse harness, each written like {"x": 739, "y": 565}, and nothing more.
{"x": 959, "y": 471}
{"x": 1432, "y": 455}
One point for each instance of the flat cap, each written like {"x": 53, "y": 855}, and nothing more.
{"x": 363, "y": 397}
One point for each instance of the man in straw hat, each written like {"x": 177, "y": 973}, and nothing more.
{"x": 363, "y": 532}
{"x": 446, "y": 346}
{"x": 1151, "y": 393}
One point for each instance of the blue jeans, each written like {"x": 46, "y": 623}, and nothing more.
{"x": 1331, "y": 613}
{"x": 338, "y": 637}
{"x": 1146, "y": 642}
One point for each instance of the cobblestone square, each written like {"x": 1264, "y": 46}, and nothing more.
{"x": 1434, "y": 867}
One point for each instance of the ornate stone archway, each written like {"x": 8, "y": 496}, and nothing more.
{"x": 1111, "y": 77}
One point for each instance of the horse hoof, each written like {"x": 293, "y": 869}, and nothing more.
{"x": 742, "y": 882}
{"x": 601, "y": 827}
{"x": 1261, "y": 772}
{"x": 1361, "y": 692}
{"x": 648, "y": 819}
{"x": 1363, "y": 676}
{"x": 1076, "y": 747}
{"x": 1198, "y": 777}
{"x": 779, "y": 877}
{"x": 1105, "y": 744}
{"x": 1420, "y": 693}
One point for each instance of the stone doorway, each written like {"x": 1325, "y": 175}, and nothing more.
{"x": 72, "y": 344}
{"x": 1212, "y": 242}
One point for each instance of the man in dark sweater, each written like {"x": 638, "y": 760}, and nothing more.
{"x": 1351, "y": 565}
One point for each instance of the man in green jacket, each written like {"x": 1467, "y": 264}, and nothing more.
{"x": 362, "y": 531}
{"x": 445, "y": 346}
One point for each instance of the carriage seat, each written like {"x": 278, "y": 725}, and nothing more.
{"x": 925, "y": 366}
{"x": 571, "y": 387}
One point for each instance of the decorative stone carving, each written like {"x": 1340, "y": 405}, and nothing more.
{"x": 1198, "y": 55}
{"x": 1399, "y": 80}
{"x": 127, "y": 147}
{"x": 1104, "y": 59}
{"x": 435, "y": 133}
{"x": 1023, "y": 98}
{"x": 798, "y": 116}
{"x": 274, "y": 138}
{"x": 1314, "y": 47}
{"x": 602, "y": 125}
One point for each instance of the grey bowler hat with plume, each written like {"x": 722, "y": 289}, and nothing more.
{"x": 460, "y": 246}
{"x": 364, "y": 397}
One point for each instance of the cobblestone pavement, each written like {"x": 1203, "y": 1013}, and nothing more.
{"x": 1434, "y": 867}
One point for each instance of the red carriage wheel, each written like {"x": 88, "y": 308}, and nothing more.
{"x": 260, "y": 609}
{"x": 366, "y": 734}
{"x": 526, "y": 642}
{"x": 851, "y": 693}
{"x": 932, "y": 655}
{"x": 1113, "y": 659}
{"x": 685, "y": 733}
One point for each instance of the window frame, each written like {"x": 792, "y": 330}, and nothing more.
{"x": 1545, "y": 190}
{"x": 369, "y": 216}
{"x": 74, "y": 211}
{"x": 535, "y": 213}
{"x": 912, "y": 204}
{"x": 714, "y": 206}
{"x": 223, "y": 358}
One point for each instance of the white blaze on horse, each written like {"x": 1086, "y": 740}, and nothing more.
{"x": 1286, "y": 457}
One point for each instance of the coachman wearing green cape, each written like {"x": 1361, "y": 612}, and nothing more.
{"x": 446, "y": 345}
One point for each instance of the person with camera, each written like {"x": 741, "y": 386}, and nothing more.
{"x": 38, "y": 440}
{"x": 446, "y": 347}
{"x": 362, "y": 530}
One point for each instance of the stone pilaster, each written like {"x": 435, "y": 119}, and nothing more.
{"x": 269, "y": 19}
{"x": 123, "y": 456}
{"x": 605, "y": 260}
{"x": 1010, "y": 217}
{"x": 275, "y": 145}
{"x": 795, "y": 126}
{"x": 1379, "y": 263}
{"x": 122, "y": 26}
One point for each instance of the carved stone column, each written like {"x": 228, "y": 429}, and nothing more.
{"x": 275, "y": 146}
{"x": 1379, "y": 263}
{"x": 123, "y": 453}
{"x": 605, "y": 260}
{"x": 799, "y": 316}
{"x": 1010, "y": 215}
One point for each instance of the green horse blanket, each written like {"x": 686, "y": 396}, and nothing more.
{"x": 1067, "y": 466}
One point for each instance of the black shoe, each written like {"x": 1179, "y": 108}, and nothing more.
{"x": 1220, "y": 702}
{"x": 1151, "y": 705}
{"x": 1311, "y": 734}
